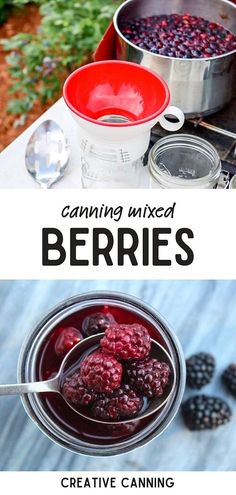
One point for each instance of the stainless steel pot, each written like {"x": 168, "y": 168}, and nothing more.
{"x": 198, "y": 86}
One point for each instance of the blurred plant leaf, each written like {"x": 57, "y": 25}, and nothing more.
{"x": 68, "y": 34}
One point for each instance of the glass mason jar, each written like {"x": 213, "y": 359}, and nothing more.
{"x": 102, "y": 170}
{"x": 232, "y": 184}
{"x": 110, "y": 167}
{"x": 50, "y": 412}
{"x": 183, "y": 161}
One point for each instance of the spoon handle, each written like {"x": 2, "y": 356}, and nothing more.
{"x": 34, "y": 387}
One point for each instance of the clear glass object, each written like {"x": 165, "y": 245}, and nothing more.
{"x": 109, "y": 167}
{"x": 105, "y": 171}
{"x": 42, "y": 413}
{"x": 232, "y": 184}
{"x": 184, "y": 161}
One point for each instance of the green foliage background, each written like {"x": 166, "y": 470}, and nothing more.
{"x": 69, "y": 32}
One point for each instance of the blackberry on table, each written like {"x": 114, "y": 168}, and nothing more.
{"x": 229, "y": 378}
{"x": 200, "y": 370}
{"x": 203, "y": 412}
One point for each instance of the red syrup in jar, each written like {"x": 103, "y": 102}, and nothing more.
{"x": 49, "y": 363}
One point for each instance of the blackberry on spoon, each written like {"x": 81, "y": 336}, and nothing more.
{"x": 123, "y": 403}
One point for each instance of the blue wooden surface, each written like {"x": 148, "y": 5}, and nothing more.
{"x": 203, "y": 314}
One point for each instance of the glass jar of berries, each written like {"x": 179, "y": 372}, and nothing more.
{"x": 78, "y": 318}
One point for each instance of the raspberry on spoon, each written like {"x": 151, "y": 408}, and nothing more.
{"x": 101, "y": 372}
{"x": 76, "y": 392}
{"x": 127, "y": 341}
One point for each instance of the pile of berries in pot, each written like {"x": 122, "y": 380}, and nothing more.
{"x": 119, "y": 377}
{"x": 179, "y": 36}
{"x": 206, "y": 412}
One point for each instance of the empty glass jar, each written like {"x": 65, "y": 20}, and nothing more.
{"x": 184, "y": 161}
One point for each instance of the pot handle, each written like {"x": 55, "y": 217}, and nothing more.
{"x": 172, "y": 126}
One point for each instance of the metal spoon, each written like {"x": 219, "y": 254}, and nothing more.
{"x": 71, "y": 362}
{"x": 47, "y": 154}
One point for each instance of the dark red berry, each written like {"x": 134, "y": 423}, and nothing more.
{"x": 127, "y": 341}
{"x": 120, "y": 430}
{"x": 68, "y": 337}
{"x": 76, "y": 392}
{"x": 149, "y": 377}
{"x": 101, "y": 372}
{"x": 97, "y": 323}
{"x": 122, "y": 404}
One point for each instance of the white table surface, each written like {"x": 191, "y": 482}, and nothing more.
{"x": 13, "y": 173}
